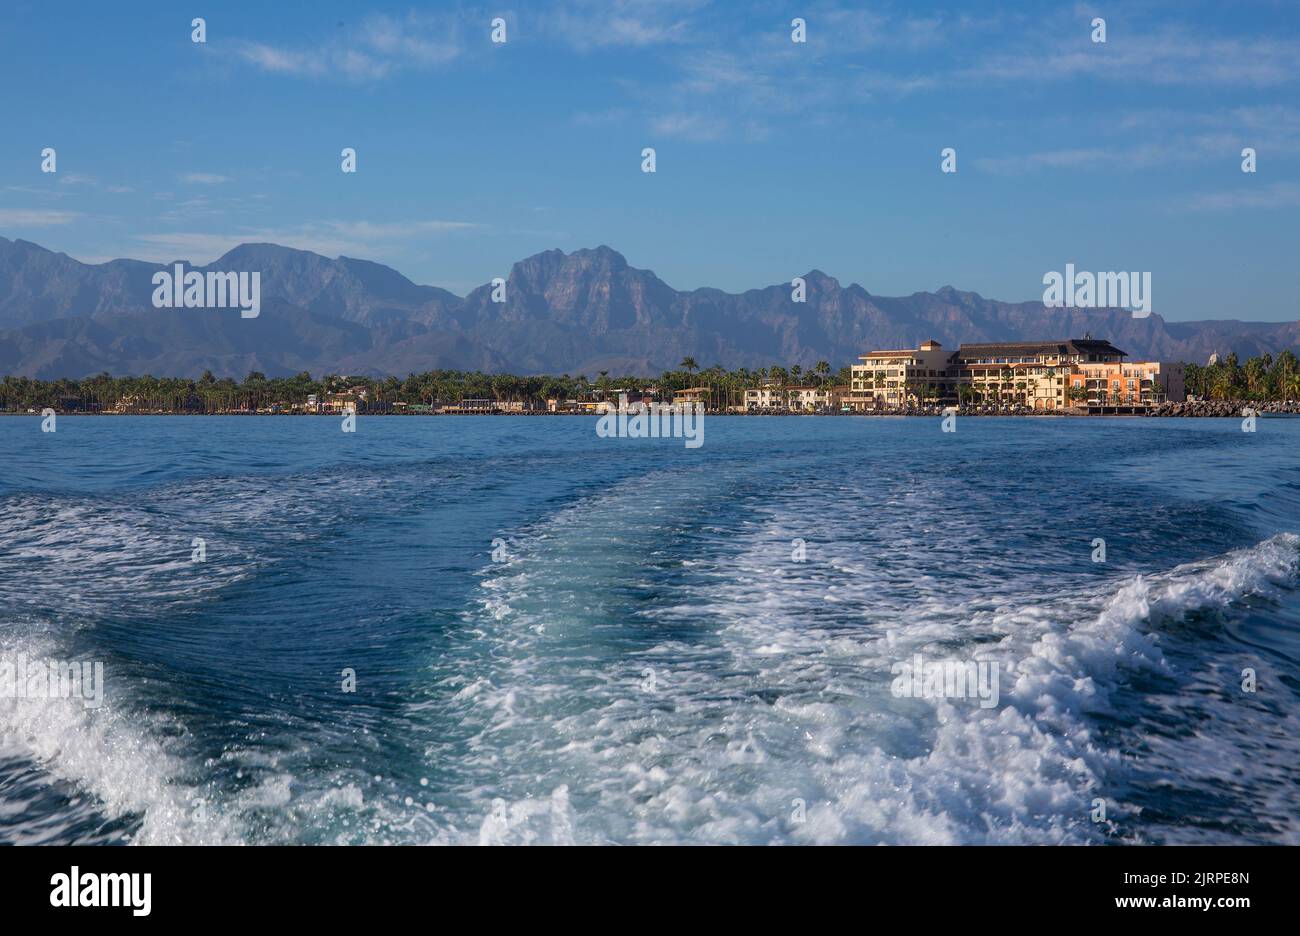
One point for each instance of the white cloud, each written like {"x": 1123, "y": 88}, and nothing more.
{"x": 69, "y": 185}
{"x": 1121, "y": 156}
{"x": 366, "y": 239}
{"x": 1167, "y": 55}
{"x": 600, "y": 24}
{"x": 42, "y": 192}
{"x": 269, "y": 58}
{"x": 698, "y": 127}
{"x": 368, "y": 229}
{"x": 1186, "y": 137}
{"x": 853, "y": 29}
{"x": 1277, "y": 195}
{"x": 24, "y": 217}
{"x": 382, "y": 46}
{"x": 745, "y": 83}
{"x": 412, "y": 40}
{"x": 600, "y": 118}
{"x": 204, "y": 178}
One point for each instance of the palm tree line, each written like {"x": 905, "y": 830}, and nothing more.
{"x": 210, "y": 394}
{"x": 1259, "y": 378}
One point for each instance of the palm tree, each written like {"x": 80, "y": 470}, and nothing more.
{"x": 1256, "y": 371}
{"x": 1284, "y": 368}
{"x": 688, "y": 364}
{"x": 1291, "y": 386}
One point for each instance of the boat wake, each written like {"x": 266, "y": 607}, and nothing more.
{"x": 668, "y": 668}
{"x": 710, "y": 697}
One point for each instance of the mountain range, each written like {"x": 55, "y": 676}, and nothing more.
{"x": 577, "y": 313}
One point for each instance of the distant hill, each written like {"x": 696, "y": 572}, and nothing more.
{"x": 576, "y": 313}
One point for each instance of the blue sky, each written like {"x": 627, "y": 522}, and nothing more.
{"x": 773, "y": 158}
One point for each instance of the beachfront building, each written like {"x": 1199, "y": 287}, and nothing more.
{"x": 1128, "y": 383}
{"x": 814, "y": 399}
{"x": 339, "y": 403}
{"x": 478, "y": 406}
{"x": 349, "y": 400}
{"x": 693, "y": 395}
{"x": 774, "y": 396}
{"x": 1046, "y": 376}
{"x": 770, "y": 395}
{"x": 892, "y": 379}
{"x": 1031, "y": 375}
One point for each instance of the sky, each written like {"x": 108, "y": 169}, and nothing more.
{"x": 772, "y": 157}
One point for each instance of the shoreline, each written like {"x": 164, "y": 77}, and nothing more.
{"x": 1216, "y": 409}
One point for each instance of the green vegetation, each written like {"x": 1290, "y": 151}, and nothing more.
{"x": 208, "y": 394}
{"x": 1260, "y": 378}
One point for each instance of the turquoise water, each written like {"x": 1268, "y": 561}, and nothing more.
{"x": 639, "y": 657}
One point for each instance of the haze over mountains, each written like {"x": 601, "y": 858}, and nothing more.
{"x": 577, "y": 313}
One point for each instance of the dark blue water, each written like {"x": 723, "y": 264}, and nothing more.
{"x": 640, "y": 656}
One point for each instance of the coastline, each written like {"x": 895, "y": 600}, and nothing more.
{"x": 1207, "y": 409}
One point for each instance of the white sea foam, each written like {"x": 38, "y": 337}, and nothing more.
{"x": 608, "y": 690}
{"x": 113, "y": 754}
{"x": 70, "y": 562}
{"x": 766, "y": 708}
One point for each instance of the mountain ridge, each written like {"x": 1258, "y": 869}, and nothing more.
{"x": 579, "y": 312}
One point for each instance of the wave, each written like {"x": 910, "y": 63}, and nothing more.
{"x": 113, "y": 753}
{"x": 771, "y": 720}
{"x": 651, "y": 664}
{"x": 86, "y": 579}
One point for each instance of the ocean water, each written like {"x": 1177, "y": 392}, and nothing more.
{"x": 559, "y": 638}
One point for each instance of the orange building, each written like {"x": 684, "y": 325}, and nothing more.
{"x": 1049, "y": 376}
{"x": 1127, "y": 383}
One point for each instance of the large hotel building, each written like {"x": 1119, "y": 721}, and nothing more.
{"x": 1045, "y": 375}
